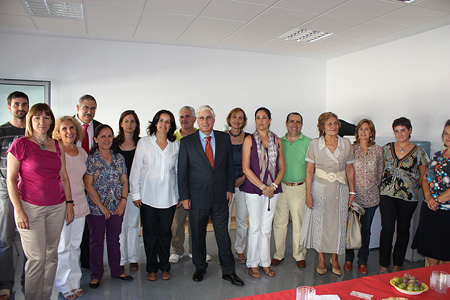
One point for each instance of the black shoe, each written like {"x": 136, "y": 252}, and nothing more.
{"x": 198, "y": 275}
{"x": 233, "y": 278}
{"x": 94, "y": 285}
{"x": 126, "y": 277}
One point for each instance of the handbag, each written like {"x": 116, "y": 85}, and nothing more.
{"x": 354, "y": 238}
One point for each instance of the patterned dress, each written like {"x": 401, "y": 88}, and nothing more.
{"x": 324, "y": 226}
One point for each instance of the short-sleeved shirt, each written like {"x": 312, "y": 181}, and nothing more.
{"x": 294, "y": 158}
{"x": 179, "y": 136}
{"x": 39, "y": 180}
{"x": 401, "y": 175}
{"x": 318, "y": 152}
{"x": 8, "y": 133}
{"x": 106, "y": 180}
{"x": 368, "y": 172}
{"x": 438, "y": 177}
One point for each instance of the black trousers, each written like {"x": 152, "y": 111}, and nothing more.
{"x": 198, "y": 220}
{"x": 157, "y": 231}
{"x": 84, "y": 247}
{"x": 394, "y": 210}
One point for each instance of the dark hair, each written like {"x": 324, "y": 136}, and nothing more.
{"x": 37, "y": 110}
{"x": 151, "y": 129}
{"x": 96, "y": 133}
{"x": 372, "y": 131}
{"x": 266, "y": 110}
{"x": 447, "y": 123}
{"x": 137, "y": 130}
{"x": 235, "y": 111}
{"x": 86, "y": 97}
{"x": 15, "y": 95}
{"x": 402, "y": 121}
{"x": 294, "y": 113}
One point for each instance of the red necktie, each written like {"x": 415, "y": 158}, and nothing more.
{"x": 85, "y": 142}
{"x": 208, "y": 151}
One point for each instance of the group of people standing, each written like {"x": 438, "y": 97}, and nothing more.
{"x": 70, "y": 182}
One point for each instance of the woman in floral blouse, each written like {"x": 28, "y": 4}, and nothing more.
{"x": 404, "y": 168}
{"x": 106, "y": 184}
{"x": 369, "y": 167}
{"x": 433, "y": 242}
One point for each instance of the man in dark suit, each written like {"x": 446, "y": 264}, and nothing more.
{"x": 206, "y": 186}
{"x": 86, "y": 108}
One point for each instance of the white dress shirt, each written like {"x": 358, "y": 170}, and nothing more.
{"x": 90, "y": 131}
{"x": 153, "y": 177}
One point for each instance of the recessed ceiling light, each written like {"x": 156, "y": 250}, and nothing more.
{"x": 304, "y": 35}
{"x": 404, "y": 1}
{"x": 52, "y": 9}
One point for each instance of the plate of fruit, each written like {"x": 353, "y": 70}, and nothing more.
{"x": 409, "y": 285}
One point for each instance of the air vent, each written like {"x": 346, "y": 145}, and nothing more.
{"x": 51, "y": 9}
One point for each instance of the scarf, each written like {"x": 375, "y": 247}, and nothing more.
{"x": 267, "y": 160}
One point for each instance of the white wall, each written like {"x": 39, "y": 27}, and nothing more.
{"x": 148, "y": 78}
{"x": 408, "y": 77}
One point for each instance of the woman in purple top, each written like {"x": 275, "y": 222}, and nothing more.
{"x": 38, "y": 186}
{"x": 263, "y": 166}
{"x": 106, "y": 183}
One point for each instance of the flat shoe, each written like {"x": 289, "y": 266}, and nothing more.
{"x": 348, "y": 266}
{"x": 383, "y": 270}
{"x": 321, "y": 271}
{"x": 255, "y": 274}
{"x": 68, "y": 295}
{"x": 166, "y": 275}
{"x": 78, "y": 292}
{"x": 134, "y": 266}
{"x": 5, "y": 294}
{"x": 126, "y": 277}
{"x": 363, "y": 269}
{"x": 151, "y": 276}
{"x": 94, "y": 283}
{"x": 275, "y": 261}
{"x": 268, "y": 271}
{"x": 241, "y": 258}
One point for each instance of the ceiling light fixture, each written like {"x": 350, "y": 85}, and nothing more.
{"x": 51, "y": 9}
{"x": 405, "y": 1}
{"x": 304, "y": 35}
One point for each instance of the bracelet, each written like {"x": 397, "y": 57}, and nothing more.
{"x": 262, "y": 187}
{"x": 352, "y": 193}
{"x": 69, "y": 201}
{"x": 123, "y": 198}
{"x": 435, "y": 199}
{"x": 274, "y": 185}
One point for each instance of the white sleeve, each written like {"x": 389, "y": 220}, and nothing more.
{"x": 135, "y": 175}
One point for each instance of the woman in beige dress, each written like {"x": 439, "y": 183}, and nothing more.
{"x": 330, "y": 189}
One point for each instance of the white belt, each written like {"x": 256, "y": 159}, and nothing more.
{"x": 332, "y": 177}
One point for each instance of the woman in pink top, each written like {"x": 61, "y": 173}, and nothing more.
{"x": 68, "y": 273}
{"x": 38, "y": 186}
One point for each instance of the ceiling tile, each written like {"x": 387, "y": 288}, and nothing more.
{"x": 216, "y": 25}
{"x": 263, "y": 2}
{"x": 233, "y": 10}
{"x": 372, "y": 30}
{"x": 317, "y": 49}
{"x": 200, "y": 37}
{"x": 60, "y": 25}
{"x": 158, "y": 34}
{"x": 15, "y": 21}
{"x": 364, "y": 9}
{"x": 284, "y": 17}
{"x": 411, "y": 16}
{"x": 165, "y": 20}
{"x": 12, "y": 7}
{"x": 112, "y": 15}
{"x": 311, "y": 5}
{"x": 331, "y": 24}
{"x": 279, "y": 45}
{"x": 128, "y": 4}
{"x": 434, "y": 4}
{"x": 341, "y": 41}
{"x": 187, "y": 7}
{"x": 262, "y": 30}
{"x": 243, "y": 41}
{"x": 111, "y": 30}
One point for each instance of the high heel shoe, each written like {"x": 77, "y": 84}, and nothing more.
{"x": 336, "y": 271}
{"x": 321, "y": 271}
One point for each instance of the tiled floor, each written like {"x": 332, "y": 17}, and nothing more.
{"x": 213, "y": 287}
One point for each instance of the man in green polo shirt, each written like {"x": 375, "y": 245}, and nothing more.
{"x": 292, "y": 200}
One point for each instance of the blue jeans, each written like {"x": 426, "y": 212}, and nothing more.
{"x": 366, "y": 223}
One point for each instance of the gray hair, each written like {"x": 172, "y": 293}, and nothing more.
{"x": 86, "y": 97}
{"x": 188, "y": 107}
{"x": 205, "y": 107}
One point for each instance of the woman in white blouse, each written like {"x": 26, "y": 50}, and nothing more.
{"x": 154, "y": 189}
